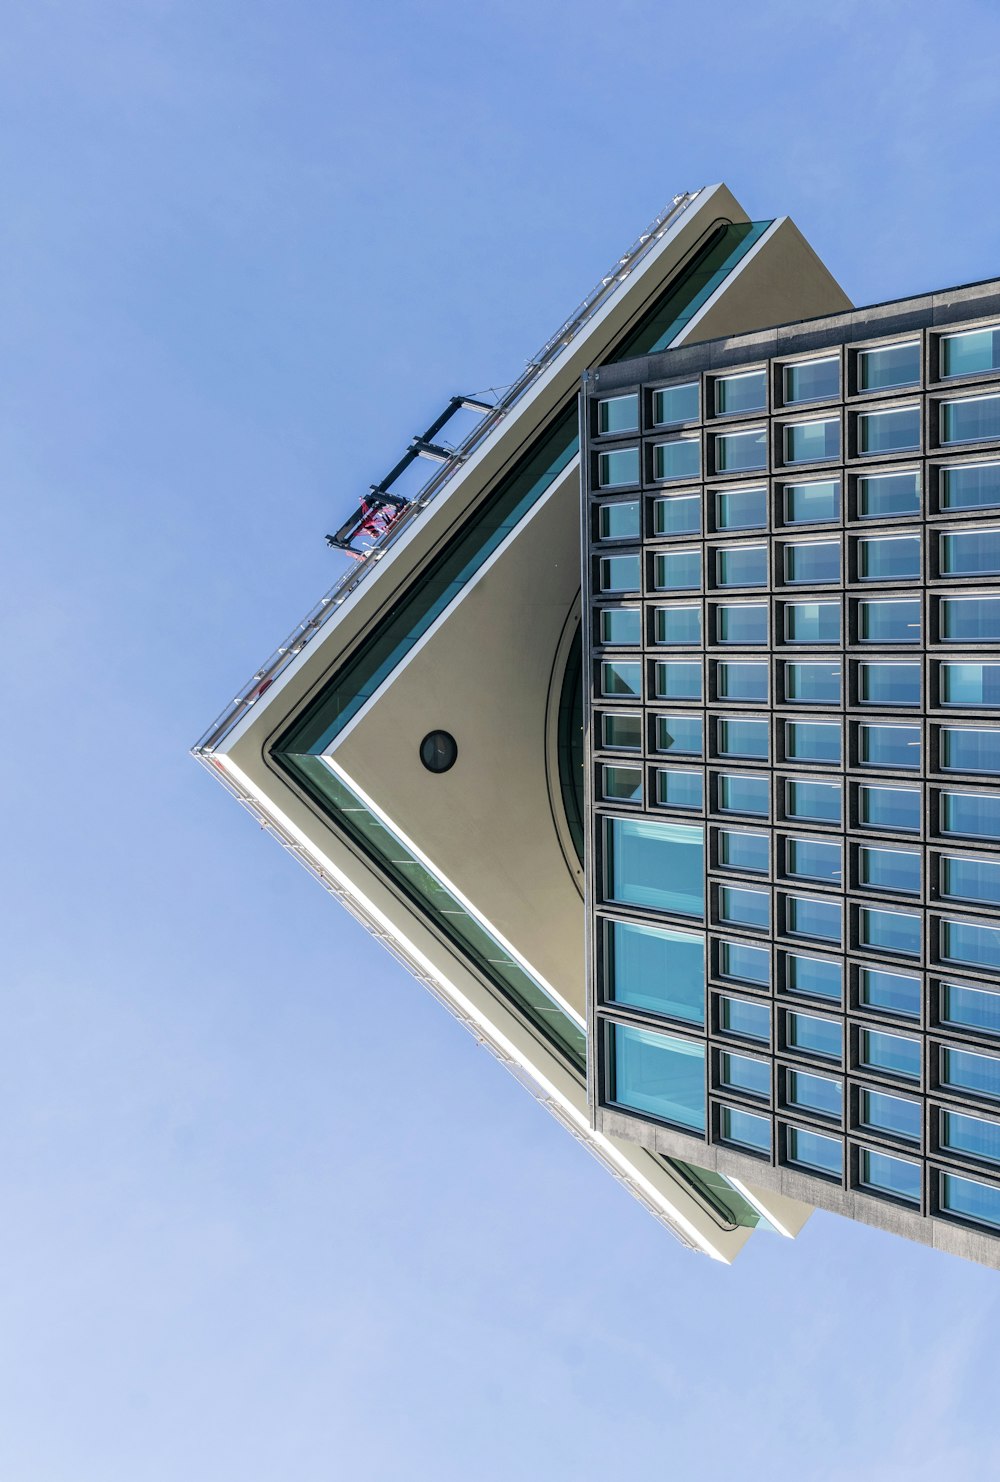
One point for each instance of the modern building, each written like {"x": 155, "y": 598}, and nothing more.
{"x": 419, "y": 741}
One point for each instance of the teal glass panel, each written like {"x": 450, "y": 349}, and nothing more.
{"x": 621, "y": 677}
{"x": 750, "y": 908}
{"x": 739, "y": 850}
{"x": 744, "y": 392}
{"x": 894, "y": 993}
{"x": 741, "y": 566}
{"x": 744, "y": 1129}
{"x": 658, "y": 866}
{"x": 741, "y": 681}
{"x": 969, "y": 619}
{"x": 673, "y": 405}
{"x": 660, "y": 1075}
{"x": 677, "y": 680}
{"x": 815, "y": 1093}
{"x": 743, "y": 738}
{"x": 741, "y": 509}
{"x": 678, "y": 624}
{"x": 617, "y": 467}
{"x": 651, "y": 967}
{"x": 970, "y": 815}
{"x": 891, "y": 365}
{"x": 814, "y": 859}
{"x": 970, "y": 421}
{"x": 677, "y": 571}
{"x": 746, "y": 1018}
{"x": 974, "y": 685}
{"x": 888, "y": 557}
{"x": 620, "y": 573}
{"x": 970, "y": 552}
{"x": 812, "y": 442}
{"x": 745, "y": 964}
{"x": 970, "y": 1199}
{"x": 893, "y": 1053}
{"x": 813, "y": 1036}
{"x": 974, "y": 880}
{"x": 621, "y": 626}
{"x": 806, "y": 740}
{"x": 741, "y": 452}
{"x": 970, "y": 1008}
{"x": 679, "y": 515}
{"x": 622, "y": 732}
{"x": 889, "y": 684}
{"x": 971, "y": 944}
{"x": 889, "y": 622}
{"x": 890, "y": 807}
{"x": 963, "y": 1070}
{"x": 817, "y": 801}
{"x": 813, "y": 503}
{"x": 812, "y": 1150}
{"x": 741, "y": 623}
{"x": 806, "y": 916}
{"x": 897, "y": 747}
{"x": 676, "y": 789}
{"x": 970, "y": 353}
{"x": 895, "y": 1115}
{"x": 973, "y": 1136}
{"x": 884, "y": 495}
{"x": 623, "y": 784}
{"x": 964, "y": 749}
{"x": 816, "y": 977}
{"x": 889, "y": 869}
{"x": 814, "y": 684}
{"x": 680, "y": 735}
{"x": 889, "y": 931}
{"x": 741, "y": 1073}
{"x": 812, "y": 622}
{"x": 680, "y": 458}
{"x": 969, "y": 486}
{"x": 620, "y": 521}
{"x": 618, "y": 414}
{"x": 811, "y": 380}
{"x": 744, "y": 795}
{"x": 812, "y": 562}
{"x": 897, "y": 1177}
{"x": 893, "y": 431}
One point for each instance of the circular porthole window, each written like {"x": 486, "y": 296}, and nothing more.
{"x": 438, "y": 751}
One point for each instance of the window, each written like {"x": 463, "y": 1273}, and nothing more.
{"x": 621, "y": 626}
{"x": 741, "y": 452}
{"x": 965, "y": 942}
{"x": 808, "y": 917}
{"x": 895, "y": 1115}
{"x": 742, "y": 851}
{"x": 971, "y": 352}
{"x": 680, "y": 735}
{"x": 814, "y": 1151}
{"x": 889, "y": 869}
{"x": 890, "y": 807}
{"x": 889, "y": 622}
{"x": 894, "y": 1054}
{"x": 883, "y": 495}
{"x": 813, "y": 503}
{"x": 621, "y": 677}
{"x": 676, "y": 789}
{"x": 750, "y": 908}
{"x": 742, "y": 1017}
{"x": 741, "y": 681}
{"x": 743, "y": 623}
{"x": 741, "y": 566}
{"x": 745, "y": 738}
{"x": 620, "y": 521}
{"x": 743, "y": 795}
{"x": 745, "y": 964}
{"x": 622, "y": 732}
{"x": 744, "y": 1129}
{"x": 892, "y": 993}
{"x": 970, "y": 552}
{"x": 969, "y": 750}
{"x": 812, "y": 562}
{"x": 680, "y": 458}
{"x": 813, "y": 859}
{"x": 618, "y": 414}
{"x": 811, "y": 380}
{"x": 677, "y": 571}
{"x": 676, "y": 680}
{"x": 819, "y": 801}
{"x": 678, "y": 624}
{"x": 741, "y": 1073}
{"x": 816, "y": 977}
{"x": 675, "y": 404}
{"x": 969, "y": 486}
{"x": 821, "y": 1037}
{"x": 888, "y": 557}
{"x": 975, "y": 685}
{"x": 812, "y": 442}
{"x": 623, "y": 784}
{"x": 890, "y": 365}
{"x": 970, "y": 420}
{"x": 970, "y": 815}
{"x": 741, "y": 509}
{"x": 963, "y": 1070}
{"x": 973, "y": 1136}
{"x": 969, "y": 619}
{"x": 808, "y": 740}
{"x": 658, "y": 1074}
{"x": 889, "y": 746}
{"x": 745, "y": 392}
{"x": 889, "y": 684}
{"x": 974, "y": 880}
{"x": 883, "y": 1174}
{"x": 889, "y": 931}
{"x": 812, "y": 683}
{"x": 892, "y": 431}
{"x": 620, "y": 574}
{"x": 658, "y": 866}
{"x": 678, "y": 515}
{"x": 651, "y": 967}
{"x": 970, "y": 1199}
{"x": 814, "y": 1093}
{"x": 812, "y": 622}
{"x": 620, "y": 466}
{"x": 970, "y": 1008}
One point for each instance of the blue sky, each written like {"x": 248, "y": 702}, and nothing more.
{"x": 267, "y": 1212}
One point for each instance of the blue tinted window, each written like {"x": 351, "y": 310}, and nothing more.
{"x": 620, "y": 677}
{"x": 744, "y": 622}
{"x": 659, "y": 1074}
{"x": 745, "y": 964}
{"x": 816, "y": 1093}
{"x": 745, "y": 392}
{"x": 750, "y": 908}
{"x": 814, "y": 859}
{"x": 889, "y": 869}
{"x": 977, "y": 685}
{"x": 620, "y": 574}
{"x": 678, "y": 459}
{"x": 889, "y": 746}
{"x": 881, "y": 495}
{"x": 674, "y": 404}
{"x": 976, "y": 880}
{"x": 741, "y": 452}
{"x": 968, "y": 750}
{"x": 745, "y": 1129}
{"x": 678, "y": 624}
{"x": 971, "y": 815}
{"x": 890, "y": 807}
{"x": 890, "y": 1052}
{"x": 741, "y": 681}
{"x": 971, "y": 1135}
{"x": 818, "y": 977}
{"x": 970, "y": 552}
{"x": 970, "y": 353}
{"x": 812, "y": 561}
{"x": 620, "y": 521}
{"x": 823, "y": 1037}
{"x": 623, "y": 784}
{"x": 618, "y": 414}
{"x": 979, "y": 946}
{"x": 678, "y": 680}
{"x": 741, "y": 566}
{"x": 888, "y": 557}
{"x": 618, "y": 467}
{"x": 813, "y": 800}
{"x": 741, "y": 1016}
{"x": 813, "y": 503}
{"x": 964, "y": 1070}
{"x": 808, "y": 917}
{"x": 812, "y": 380}
{"x": 812, "y": 622}
{"x": 814, "y": 684}
{"x": 680, "y": 515}
{"x": 621, "y": 626}
{"x": 677, "y": 789}
{"x": 891, "y": 365}
{"x": 970, "y": 420}
{"x": 741, "y": 509}
{"x": 623, "y": 732}
{"x": 811, "y": 740}
{"x": 887, "y": 1175}
{"x": 970, "y": 1008}
{"x": 889, "y": 622}
{"x": 812, "y": 442}
{"x": 813, "y": 1150}
{"x": 889, "y": 684}
{"x": 653, "y": 968}
{"x": 743, "y": 851}
{"x": 970, "y": 1199}
{"x": 894, "y": 993}
{"x": 896, "y": 1115}
{"x": 747, "y": 738}
{"x": 890, "y": 931}
{"x": 659, "y": 866}
{"x": 970, "y": 486}
{"x": 889, "y": 432}
{"x": 969, "y": 619}
{"x": 741, "y": 1073}
{"x": 681, "y": 735}
{"x": 677, "y": 571}
{"x": 744, "y": 794}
